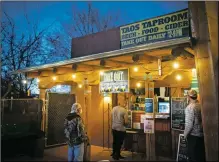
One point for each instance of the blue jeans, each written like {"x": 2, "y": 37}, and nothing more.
{"x": 76, "y": 153}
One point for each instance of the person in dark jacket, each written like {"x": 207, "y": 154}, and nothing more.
{"x": 75, "y": 133}
{"x": 193, "y": 129}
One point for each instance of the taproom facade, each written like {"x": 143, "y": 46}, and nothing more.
{"x": 150, "y": 64}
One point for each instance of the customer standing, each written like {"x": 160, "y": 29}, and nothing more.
{"x": 119, "y": 121}
{"x": 75, "y": 133}
{"x": 193, "y": 129}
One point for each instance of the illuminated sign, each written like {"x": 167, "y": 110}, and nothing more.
{"x": 171, "y": 26}
{"x": 114, "y": 81}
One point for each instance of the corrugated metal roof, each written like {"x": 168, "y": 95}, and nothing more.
{"x": 120, "y": 52}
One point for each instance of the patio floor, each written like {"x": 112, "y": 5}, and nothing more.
{"x": 97, "y": 154}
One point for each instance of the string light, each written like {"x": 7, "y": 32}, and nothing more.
{"x": 138, "y": 85}
{"x": 179, "y": 77}
{"x": 135, "y": 69}
{"x": 176, "y": 65}
{"x": 101, "y": 73}
{"x": 73, "y": 76}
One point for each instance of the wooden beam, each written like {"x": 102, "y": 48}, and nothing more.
{"x": 188, "y": 49}
{"x": 159, "y": 53}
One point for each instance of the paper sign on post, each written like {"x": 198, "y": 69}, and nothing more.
{"x": 143, "y": 117}
{"x": 149, "y": 126}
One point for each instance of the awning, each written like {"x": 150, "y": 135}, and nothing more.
{"x": 146, "y": 47}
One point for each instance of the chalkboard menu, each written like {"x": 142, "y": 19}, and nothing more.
{"x": 178, "y": 105}
{"x": 182, "y": 149}
{"x": 149, "y": 105}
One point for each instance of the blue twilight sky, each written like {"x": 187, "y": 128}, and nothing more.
{"x": 47, "y": 12}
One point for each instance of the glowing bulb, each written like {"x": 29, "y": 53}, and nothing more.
{"x": 101, "y": 73}
{"x": 135, "y": 69}
{"x": 178, "y": 77}
{"x": 73, "y": 76}
{"x": 138, "y": 85}
{"x": 54, "y": 78}
{"x": 24, "y": 81}
{"x": 38, "y": 80}
{"x": 176, "y": 65}
{"x": 80, "y": 86}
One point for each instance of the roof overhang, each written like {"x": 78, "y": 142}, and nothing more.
{"x": 146, "y": 47}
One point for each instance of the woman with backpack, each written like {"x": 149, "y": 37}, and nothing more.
{"x": 75, "y": 133}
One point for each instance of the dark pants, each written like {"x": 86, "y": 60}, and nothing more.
{"x": 118, "y": 138}
{"x": 196, "y": 148}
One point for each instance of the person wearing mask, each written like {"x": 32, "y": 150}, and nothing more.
{"x": 119, "y": 121}
{"x": 74, "y": 130}
{"x": 193, "y": 132}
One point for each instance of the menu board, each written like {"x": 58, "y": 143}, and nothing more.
{"x": 182, "y": 149}
{"x": 114, "y": 81}
{"x": 178, "y": 105}
{"x": 149, "y": 105}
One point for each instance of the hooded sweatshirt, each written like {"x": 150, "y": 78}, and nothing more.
{"x": 74, "y": 129}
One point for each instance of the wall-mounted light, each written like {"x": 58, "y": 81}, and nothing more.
{"x": 135, "y": 69}
{"x": 107, "y": 99}
{"x": 178, "y": 77}
{"x": 73, "y": 76}
{"x": 101, "y": 72}
{"x": 175, "y": 65}
{"x": 54, "y": 78}
{"x": 24, "y": 81}
{"x": 80, "y": 85}
{"x": 138, "y": 85}
{"x": 38, "y": 80}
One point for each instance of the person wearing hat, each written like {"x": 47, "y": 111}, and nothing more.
{"x": 193, "y": 128}
{"x": 75, "y": 133}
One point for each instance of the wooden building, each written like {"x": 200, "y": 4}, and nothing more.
{"x": 149, "y": 50}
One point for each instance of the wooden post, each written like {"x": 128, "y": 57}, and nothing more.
{"x": 205, "y": 23}
{"x": 150, "y": 138}
{"x": 42, "y": 97}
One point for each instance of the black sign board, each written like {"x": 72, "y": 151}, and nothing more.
{"x": 178, "y": 105}
{"x": 182, "y": 154}
{"x": 149, "y": 105}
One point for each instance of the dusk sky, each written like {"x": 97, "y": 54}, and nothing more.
{"x": 44, "y": 13}
{"x": 47, "y": 12}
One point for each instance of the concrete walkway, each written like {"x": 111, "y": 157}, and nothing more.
{"x": 97, "y": 154}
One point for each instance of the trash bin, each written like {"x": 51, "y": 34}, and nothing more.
{"x": 39, "y": 145}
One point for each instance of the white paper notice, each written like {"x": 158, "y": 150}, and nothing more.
{"x": 136, "y": 125}
{"x": 143, "y": 117}
{"x": 162, "y": 91}
{"x": 149, "y": 126}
